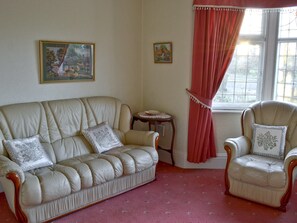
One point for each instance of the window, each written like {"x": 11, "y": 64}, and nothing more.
{"x": 264, "y": 64}
{"x": 286, "y": 83}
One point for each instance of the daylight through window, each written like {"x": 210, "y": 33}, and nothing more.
{"x": 258, "y": 71}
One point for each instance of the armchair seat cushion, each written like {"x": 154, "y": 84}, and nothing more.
{"x": 258, "y": 170}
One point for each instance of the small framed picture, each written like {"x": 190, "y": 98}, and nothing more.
{"x": 163, "y": 52}
{"x": 66, "y": 61}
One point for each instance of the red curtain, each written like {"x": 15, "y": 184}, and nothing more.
{"x": 215, "y": 35}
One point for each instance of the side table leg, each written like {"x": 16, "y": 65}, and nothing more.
{"x": 172, "y": 141}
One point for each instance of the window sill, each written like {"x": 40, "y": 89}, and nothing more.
{"x": 229, "y": 111}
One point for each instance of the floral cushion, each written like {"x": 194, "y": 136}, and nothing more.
{"x": 101, "y": 137}
{"x": 28, "y": 153}
{"x": 269, "y": 140}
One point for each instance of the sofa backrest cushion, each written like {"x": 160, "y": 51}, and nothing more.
{"x": 65, "y": 119}
{"x": 59, "y": 123}
{"x": 22, "y": 121}
{"x": 100, "y": 109}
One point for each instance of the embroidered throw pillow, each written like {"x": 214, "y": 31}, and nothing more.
{"x": 28, "y": 153}
{"x": 269, "y": 140}
{"x": 101, "y": 137}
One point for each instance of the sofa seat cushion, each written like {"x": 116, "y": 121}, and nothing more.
{"x": 258, "y": 170}
{"x": 72, "y": 175}
{"x": 48, "y": 183}
{"x": 69, "y": 176}
{"x": 135, "y": 158}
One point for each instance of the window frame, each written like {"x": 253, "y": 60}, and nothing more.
{"x": 270, "y": 38}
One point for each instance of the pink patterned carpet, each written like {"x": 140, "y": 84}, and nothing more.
{"x": 177, "y": 196}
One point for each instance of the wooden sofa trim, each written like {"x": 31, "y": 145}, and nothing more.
{"x": 20, "y": 215}
{"x": 157, "y": 142}
{"x": 227, "y": 183}
{"x": 285, "y": 199}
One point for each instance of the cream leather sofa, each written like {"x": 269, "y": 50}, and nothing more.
{"x": 259, "y": 178}
{"x": 79, "y": 177}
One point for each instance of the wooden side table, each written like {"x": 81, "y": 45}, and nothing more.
{"x": 155, "y": 120}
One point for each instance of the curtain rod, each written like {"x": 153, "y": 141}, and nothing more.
{"x": 218, "y": 6}
{"x": 223, "y": 7}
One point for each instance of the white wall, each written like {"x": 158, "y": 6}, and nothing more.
{"x": 164, "y": 84}
{"x": 114, "y": 26}
{"x": 124, "y": 33}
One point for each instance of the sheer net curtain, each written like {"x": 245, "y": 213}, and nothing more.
{"x": 216, "y": 29}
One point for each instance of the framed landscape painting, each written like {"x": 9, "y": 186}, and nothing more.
{"x": 66, "y": 61}
{"x": 163, "y": 52}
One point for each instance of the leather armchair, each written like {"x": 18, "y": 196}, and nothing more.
{"x": 262, "y": 179}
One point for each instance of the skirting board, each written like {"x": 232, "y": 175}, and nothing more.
{"x": 180, "y": 159}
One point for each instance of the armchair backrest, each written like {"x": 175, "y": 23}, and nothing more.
{"x": 271, "y": 113}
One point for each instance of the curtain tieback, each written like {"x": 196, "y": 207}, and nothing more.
{"x": 204, "y": 102}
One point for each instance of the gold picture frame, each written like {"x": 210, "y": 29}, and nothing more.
{"x": 66, "y": 61}
{"x": 163, "y": 52}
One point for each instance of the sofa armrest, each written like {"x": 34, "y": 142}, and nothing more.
{"x": 13, "y": 172}
{"x": 290, "y": 163}
{"x": 143, "y": 138}
{"x": 237, "y": 146}
{"x": 7, "y": 166}
{"x": 290, "y": 157}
